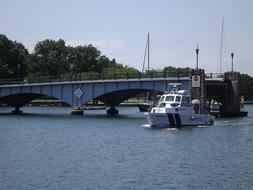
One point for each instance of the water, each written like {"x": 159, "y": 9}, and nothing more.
{"x": 47, "y": 148}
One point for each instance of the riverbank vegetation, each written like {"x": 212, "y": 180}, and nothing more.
{"x": 54, "y": 59}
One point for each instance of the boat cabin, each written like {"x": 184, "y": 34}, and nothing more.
{"x": 174, "y": 99}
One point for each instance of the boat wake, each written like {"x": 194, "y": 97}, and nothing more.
{"x": 203, "y": 126}
{"x": 146, "y": 126}
{"x": 173, "y": 129}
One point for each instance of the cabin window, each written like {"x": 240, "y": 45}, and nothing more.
{"x": 186, "y": 100}
{"x": 178, "y": 98}
{"x": 161, "y": 105}
{"x": 169, "y": 98}
{"x": 162, "y": 99}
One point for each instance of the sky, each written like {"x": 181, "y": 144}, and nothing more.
{"x": 119, "y": 28}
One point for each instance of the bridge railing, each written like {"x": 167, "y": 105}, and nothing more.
{"x": 214, "y": 75}
{"x": 88, "y": 76}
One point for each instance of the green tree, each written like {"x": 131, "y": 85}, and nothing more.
{"x": 84, "y": 58}
{"x": 103, "y": 63}
{"x": 51, "y": 58}
{"x": 246, "y": 86}
{"x": 175, "y": 71}
{"x": 120, "y": 71}
{"x": 13, "y": 58}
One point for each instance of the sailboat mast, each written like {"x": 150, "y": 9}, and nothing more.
{"x": 145, "y": 54}
{"x": 221, "y": 44}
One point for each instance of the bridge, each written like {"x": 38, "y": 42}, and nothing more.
{"x": 114, "y": 90}
{"x": 79, "y": 92}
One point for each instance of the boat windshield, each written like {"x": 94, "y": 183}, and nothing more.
{"x": 169, "y": 98}
{"x": 178, "y": 98}
{"x": 186, "y": 100}
{"x": 162, "y": 98}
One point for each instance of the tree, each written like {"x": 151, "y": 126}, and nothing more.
{"x": 103, "y": 63}
{"x": 175, "y": 71}
{"x": 120, "y": 71}
{"x": 246, "y": 84}
{"x": 13, "y": 58}
{"x": 51, "y": 58}
{"x": 84, "y": 58}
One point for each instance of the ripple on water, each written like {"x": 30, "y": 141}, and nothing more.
{"x": 47, "y": 148}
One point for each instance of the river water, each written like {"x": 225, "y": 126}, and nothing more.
{"x": 47, "y": 148}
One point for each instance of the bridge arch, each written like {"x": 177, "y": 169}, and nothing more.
{"x": 79, "y": 93}
{"x": 114, "y": 98}
{"x": 20, "y": 99}
{"x": 115, "y": 92}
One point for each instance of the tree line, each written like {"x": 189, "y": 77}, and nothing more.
{"x": 53, "y": 58}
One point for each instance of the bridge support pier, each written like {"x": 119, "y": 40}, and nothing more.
{"x": 112, "y": 111}
{"x": 232, "y": 105}
{"x": 17, "y": 111}
{"x": 77, "y": 111}
{"x": 198, "y": 87}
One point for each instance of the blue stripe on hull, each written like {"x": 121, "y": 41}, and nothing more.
{"x": 171, "y": 119}
{"x": 178, "y": 119}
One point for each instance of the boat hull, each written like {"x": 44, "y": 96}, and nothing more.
{"x": 145, "y": 107}
{"x": 163, "y": 120}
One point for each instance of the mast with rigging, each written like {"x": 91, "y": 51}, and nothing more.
{"x": 221, "y": 45}
{"x": 146, "y": 54}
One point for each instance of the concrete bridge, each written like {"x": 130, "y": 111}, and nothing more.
{"x": 116, "y": 90}
{"x": 78, "y": 93}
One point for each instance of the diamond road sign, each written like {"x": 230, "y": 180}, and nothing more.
{"x": 78, "y": 93}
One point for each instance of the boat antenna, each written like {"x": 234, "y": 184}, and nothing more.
{"x": 145, "y": 54}
{"x": 221, "y": 44}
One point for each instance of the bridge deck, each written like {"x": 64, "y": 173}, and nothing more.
{"x": 95, "y": 81}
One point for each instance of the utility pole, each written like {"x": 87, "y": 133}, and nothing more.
{"x": 232, "y": 56}
{"x": 197, "y": 57}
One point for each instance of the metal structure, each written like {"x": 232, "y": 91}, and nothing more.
{"x": 197, "y": 57}
{"x": 232, "y": 57}
{"x": 120, "y": 87}
{"x": 78, "y": 93}
{"x": 147, "y": 51}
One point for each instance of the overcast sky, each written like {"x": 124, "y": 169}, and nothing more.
{"x": 118, "y": 28}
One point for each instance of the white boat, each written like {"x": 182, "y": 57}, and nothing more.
{"x": 215, "y": 108}
{"x": 175, "y": 109}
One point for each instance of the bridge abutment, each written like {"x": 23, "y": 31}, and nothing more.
{"x": 226, "y": 92}
{"x": 231, "y": 106}
{"x": 198, "y": 87}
